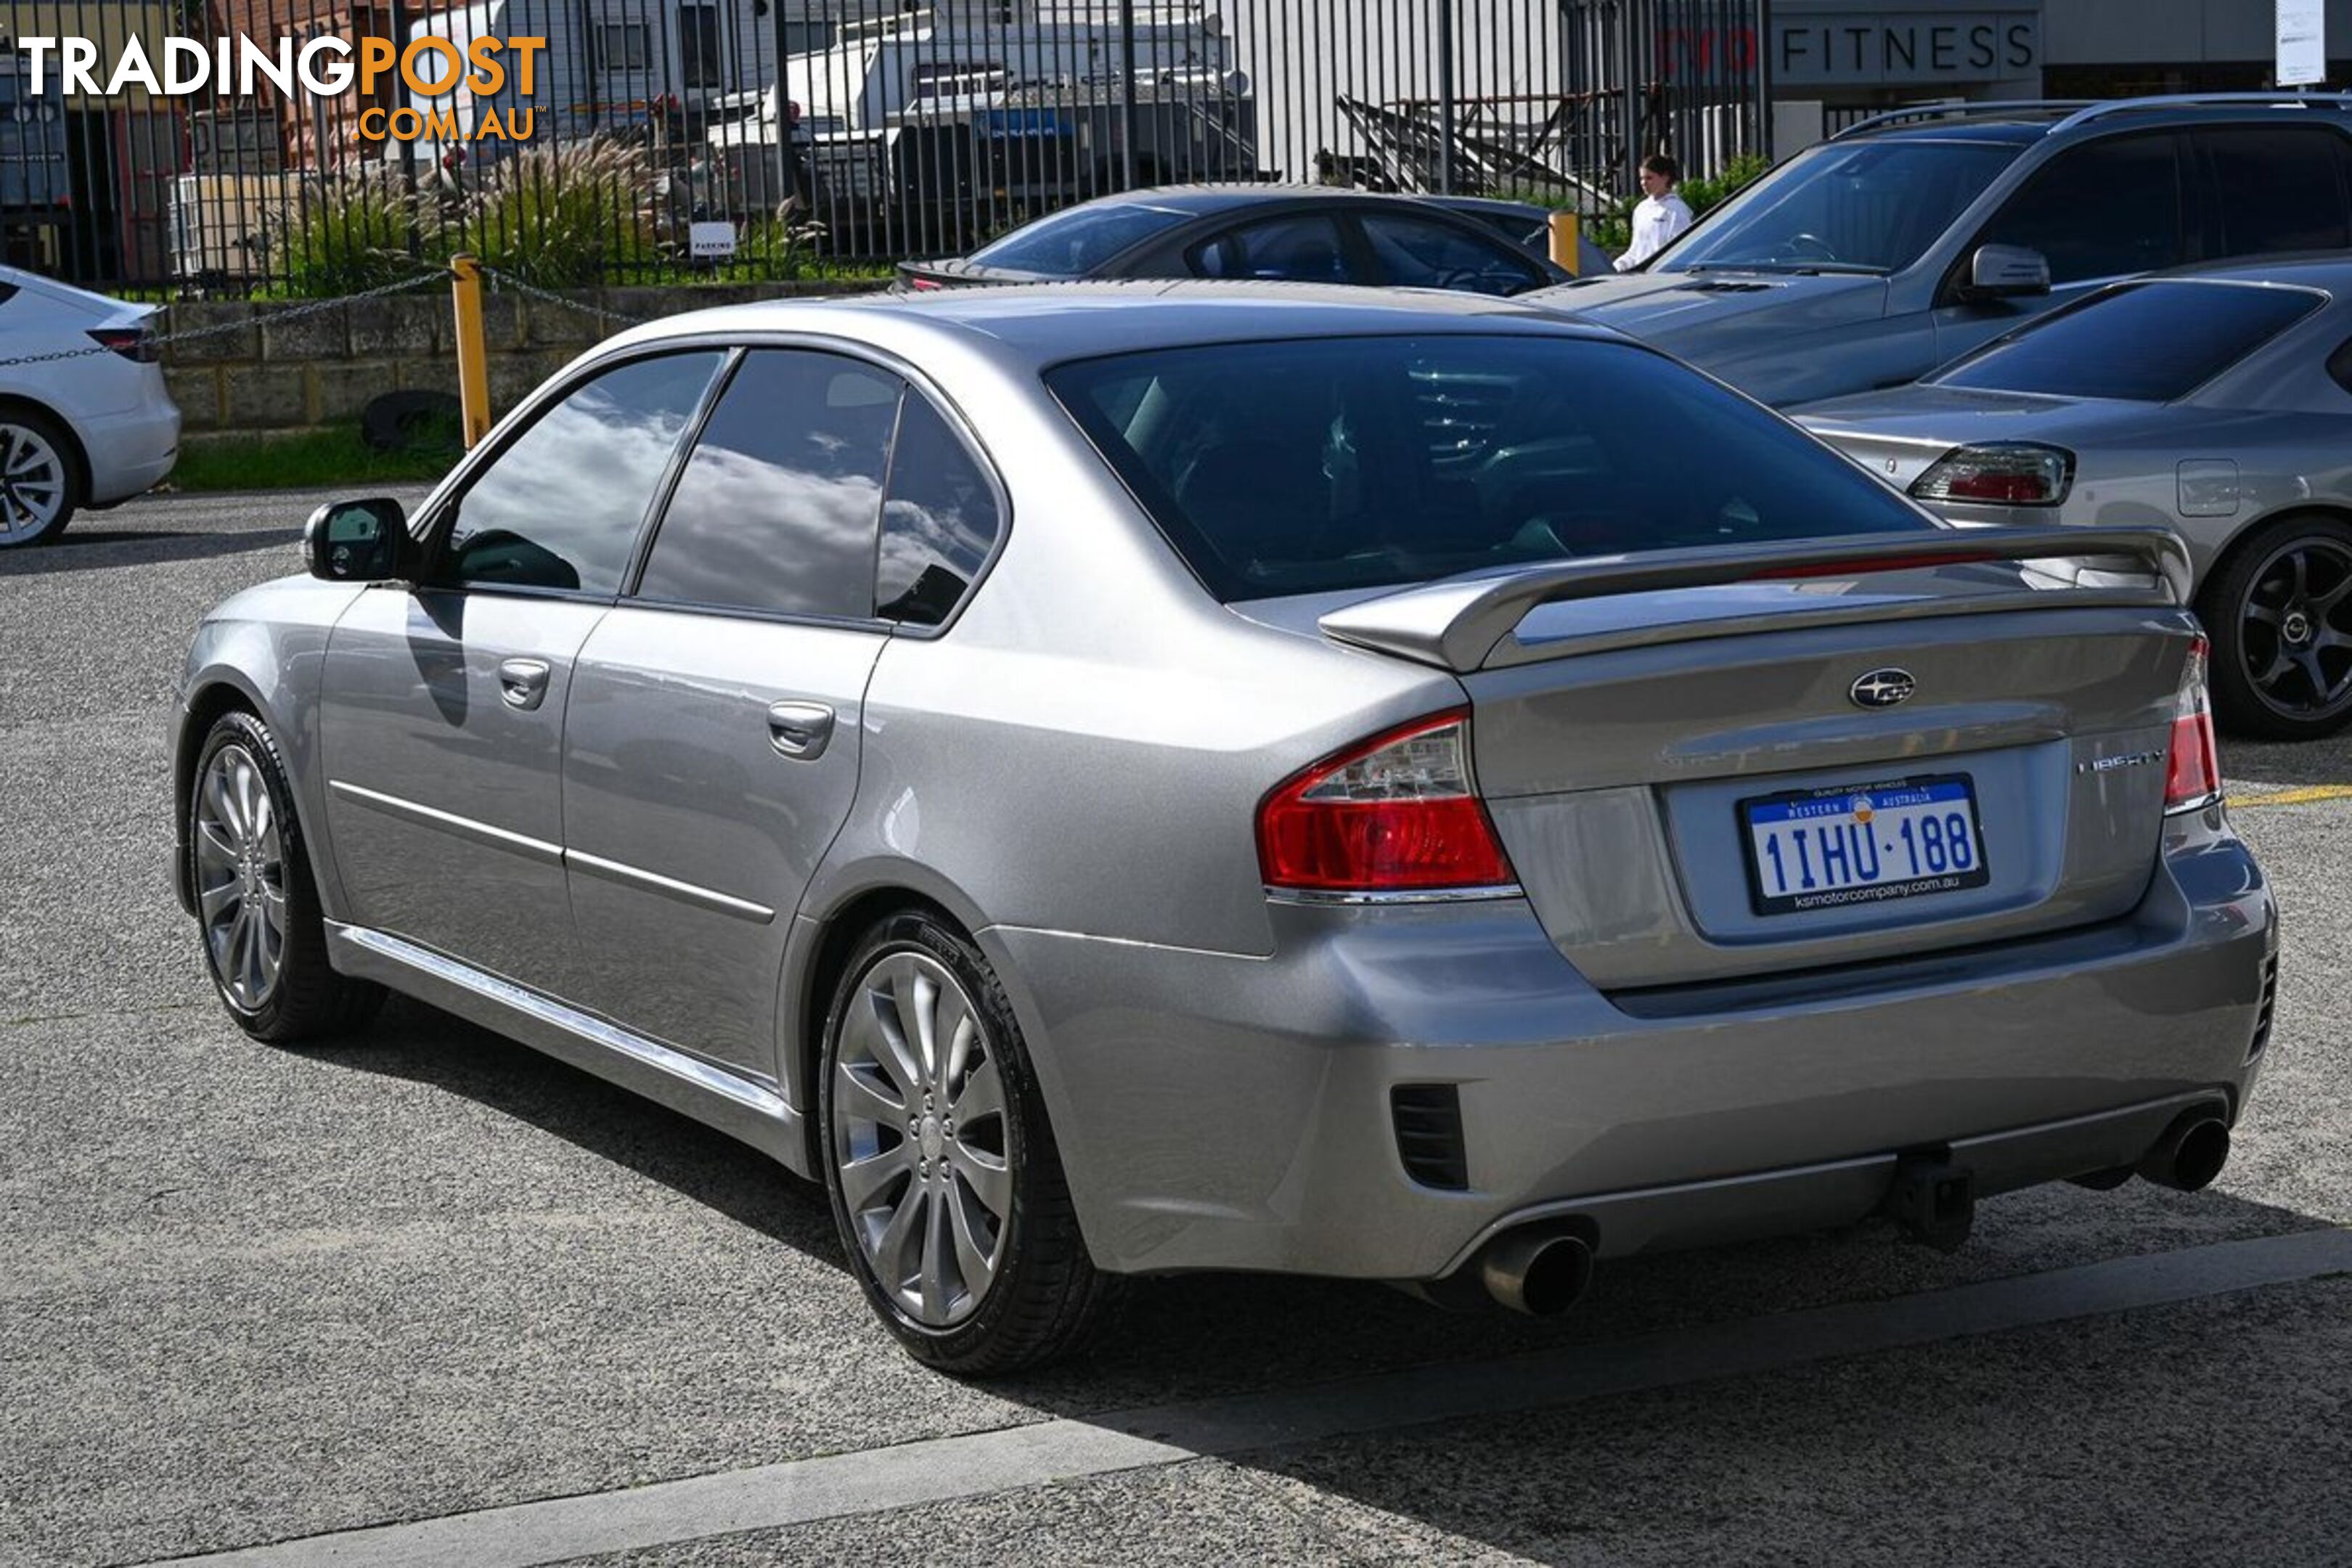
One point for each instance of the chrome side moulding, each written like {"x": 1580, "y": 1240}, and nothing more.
{"x": 549, "y": 854}
{"x": 531, "y": 849}
{"x": 684, "y": 892}
{"x": 732, "y": 1104}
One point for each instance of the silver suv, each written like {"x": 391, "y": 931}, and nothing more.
{"x": 1910, "y": 238}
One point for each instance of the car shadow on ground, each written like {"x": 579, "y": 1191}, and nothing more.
{"x": 1201, "y": 1336}
{"x": 82, "y": 549}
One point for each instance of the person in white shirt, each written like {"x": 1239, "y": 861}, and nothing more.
{"x": 1661, "y": 215}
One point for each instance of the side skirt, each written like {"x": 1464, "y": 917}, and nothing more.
{"x": 735, "y": 1106}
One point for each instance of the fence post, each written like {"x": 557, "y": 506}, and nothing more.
{"x": 1564, "y": 249}
{"x": 1126, "y": 94}
{"x": 473, "y": 361}
{"x": 1445, "y": 96}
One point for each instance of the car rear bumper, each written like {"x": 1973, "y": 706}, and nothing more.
{"x": 1221, "y": 1112}
{"x": 132, "y": 451}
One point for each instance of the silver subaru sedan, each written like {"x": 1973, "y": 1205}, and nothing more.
{"x": 1122, "y": 779}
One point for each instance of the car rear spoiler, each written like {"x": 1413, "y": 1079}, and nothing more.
{"x": 1462, "y": 624}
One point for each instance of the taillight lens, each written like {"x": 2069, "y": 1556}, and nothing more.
{"x": 133, "y": 343}
{"x": 1998, "y": 473}
{"x": 2193, "y": 775}
{"x": 1395, "y": 815}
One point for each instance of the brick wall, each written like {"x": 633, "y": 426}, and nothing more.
{"x": 279, "y": 376}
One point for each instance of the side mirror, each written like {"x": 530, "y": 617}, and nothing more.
{"x": 2007, "y": 272}
{"x": 359, "y": 541}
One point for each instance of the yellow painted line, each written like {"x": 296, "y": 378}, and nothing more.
{"x": 2312, "y": 795}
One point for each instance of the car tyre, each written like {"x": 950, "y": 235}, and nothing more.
{"x": 945, "y": 1181}
{"x": 40, "y": 478}
{"x": 262, "y": 932}
{"x": 2279, "y": 613}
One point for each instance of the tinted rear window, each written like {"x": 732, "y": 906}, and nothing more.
{"x": 1073, "y": 243}
{"x": 1307, "y": 467}
{"x": 2148, "y": 343}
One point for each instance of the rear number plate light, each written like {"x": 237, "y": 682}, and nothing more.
{"x": 1825, "y": 849}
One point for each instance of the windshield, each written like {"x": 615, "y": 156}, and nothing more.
{"x": 1325, "y": 464}
{"x": 1073, "y": 243}
{"x": 1873, "y": 206}
{"x": 2149, "y": 343}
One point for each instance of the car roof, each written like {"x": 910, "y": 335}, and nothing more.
{"x": 1046, "y": 323}
{"x": 2330, "y": 270}
{"x": 2028, "y": 120}
{"x": 1206, "y": 199}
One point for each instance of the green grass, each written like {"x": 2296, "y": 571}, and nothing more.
{"x": 331, "y": 459}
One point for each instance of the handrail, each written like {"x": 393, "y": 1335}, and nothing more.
{"x": 1961, "y": 109}
{"x": 1458, "y": 623}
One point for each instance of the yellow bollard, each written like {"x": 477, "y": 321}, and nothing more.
{"x": 473, "y": 359}
{"x": 1563, "y": 241}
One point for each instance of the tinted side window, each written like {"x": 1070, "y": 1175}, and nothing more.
{"x": 560, "y": 506}
{"x": 1415, "y": 253}
{"x": 777, "y": 506}
{"x": 939, "y": 521}
{"x": 2276, "y": 188}
{"x": 2103, "y": 210}
{"x": 1304, "y": 249}
{"x": 2148, "y": 341}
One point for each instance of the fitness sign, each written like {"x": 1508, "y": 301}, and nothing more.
{"x": 431, "y": 68}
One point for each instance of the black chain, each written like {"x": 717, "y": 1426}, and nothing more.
{"x": 275, "y": 319}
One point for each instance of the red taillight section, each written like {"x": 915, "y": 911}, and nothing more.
{"x": 924, "y": 285}
{"x": 1998, "y": 473}
{"x": 1394, "y": 814}
{"x": 134, "y": 343}
{"x": 2193, "y": 775}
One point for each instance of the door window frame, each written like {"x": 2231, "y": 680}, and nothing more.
{"x": 912, "y": 381}
{"x": 2187, "y": 184}
{"x": 438, "y": 516}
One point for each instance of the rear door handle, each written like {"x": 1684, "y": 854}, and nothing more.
{"x": 800, "y": 729}
{"x": 522, "y": 682}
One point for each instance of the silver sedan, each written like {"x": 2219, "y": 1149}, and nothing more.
{"x": 1114, "y": 780}
{"x": 2217, "y": 403}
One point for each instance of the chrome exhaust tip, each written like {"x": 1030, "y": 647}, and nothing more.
{"x": 1539, "y": 1271}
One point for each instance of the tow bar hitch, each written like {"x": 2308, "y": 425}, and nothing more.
{"x": 1933, "y": 1200}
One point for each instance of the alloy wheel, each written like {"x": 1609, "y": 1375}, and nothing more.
{"x": 240, "y": 877}
{"x": 2295, "y": 628}
{"x": 32, "y": 483}
{"x": 919, "y": 1139}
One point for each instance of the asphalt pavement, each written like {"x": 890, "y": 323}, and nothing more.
{"x": 428, "y": 1297}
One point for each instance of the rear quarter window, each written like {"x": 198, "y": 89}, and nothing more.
{"x": 2149, "y": 342}
{"x": 1328, "y": 464}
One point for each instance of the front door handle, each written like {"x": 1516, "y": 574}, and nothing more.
{"x": 800, "y": 729}
{"x": 522, "y": 682}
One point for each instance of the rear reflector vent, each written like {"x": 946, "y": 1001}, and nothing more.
{"x": 2262, "y": 1013}
{"x": 1428, "y": 1118}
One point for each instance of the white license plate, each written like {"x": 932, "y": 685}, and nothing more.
{"x": 1825, "y": 849}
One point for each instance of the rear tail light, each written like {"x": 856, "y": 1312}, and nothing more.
{"x": 1998, "y": 473}
{"x": 134, "y": 343}
{"x": 922, "y": 284}
{"x": 2192, "y": 776}
{"x": 1394, "y": 814}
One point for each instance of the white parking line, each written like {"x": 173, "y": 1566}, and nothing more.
{"x": 805, "y": 1490}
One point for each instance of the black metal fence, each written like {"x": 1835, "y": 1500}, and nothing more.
{"x": 660, "y": 138}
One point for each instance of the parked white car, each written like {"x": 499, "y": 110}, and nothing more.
{"x": 90, "y": 430}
